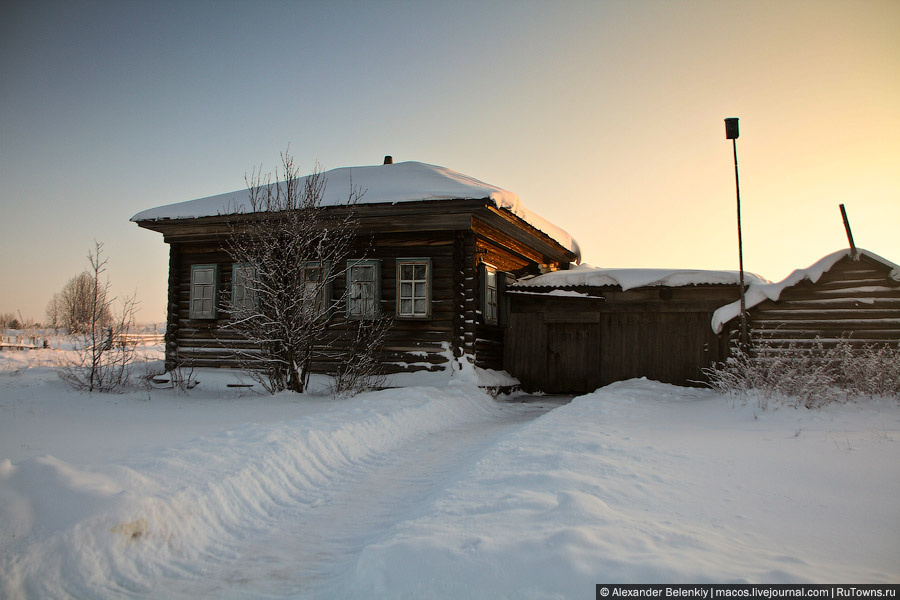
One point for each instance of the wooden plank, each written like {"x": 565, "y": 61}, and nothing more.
{"x": 493, "y": 238}
{"x": 524, "y": 350}
{"x": 573, "y": 357}
{"x": 571, "y": 317}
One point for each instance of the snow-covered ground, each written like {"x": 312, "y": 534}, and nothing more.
{"x": 431, "y": 492}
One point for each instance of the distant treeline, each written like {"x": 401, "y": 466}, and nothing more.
{"x": 12, "y": 321}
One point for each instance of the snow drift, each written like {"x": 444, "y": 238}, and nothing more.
{"x": 112, "y": 530}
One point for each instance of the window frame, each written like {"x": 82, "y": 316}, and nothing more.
{"x": 488, "y": 273}
{"x": 413, "y": 315}
{"x": 249, "y": 300}
{"x": 325, "y": 301}
{"x": 375, "y": 311}
{"x": 502, "y": 280}
{"x": 212, "y": 312}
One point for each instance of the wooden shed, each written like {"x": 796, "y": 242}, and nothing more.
{"x": 845, "y": 295}
{"x": 574, "y": 331}
{"x": 457, "y": 236}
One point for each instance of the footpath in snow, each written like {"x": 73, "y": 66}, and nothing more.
{"x": 276, "y": 508}
{"x": 642, "y": 482}
{"x": 428, "y": 492}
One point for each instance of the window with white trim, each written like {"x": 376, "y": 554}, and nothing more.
{"x": 363, "y": 289}
{"x": 204, "y": 280}
{"x": 414, "y": 288}
{"x": 242, "y": 296}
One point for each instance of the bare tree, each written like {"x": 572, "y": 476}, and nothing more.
{"x": 288, "y": 252}
{"x": 53, "y": 320}
{"x": 9, "y": 321}
{"x": 73, "y": 306}
{"x": 103, "y": 357}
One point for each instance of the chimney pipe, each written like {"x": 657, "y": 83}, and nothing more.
{"x": 388, "y": 160}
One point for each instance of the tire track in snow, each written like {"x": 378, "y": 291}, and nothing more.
{"x": 309, "y": 552}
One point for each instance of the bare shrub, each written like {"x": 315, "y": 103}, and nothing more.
{"x": 359, "y": 369}
{"x": 809, "y": 375}
{"x": 102, "y": 358}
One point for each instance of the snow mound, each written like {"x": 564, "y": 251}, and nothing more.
{"x": 401, "y": 182}
{"x": 586, "y": 275}
{"x": 609, "y": 489}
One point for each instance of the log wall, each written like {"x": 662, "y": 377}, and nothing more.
{"x": 411, "y": 345}
{"x": 855, "y": 299}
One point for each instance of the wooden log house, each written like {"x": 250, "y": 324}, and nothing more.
{"x": 461, "y": 237}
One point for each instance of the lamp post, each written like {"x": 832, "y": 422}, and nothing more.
{"x": 732, "y": 133}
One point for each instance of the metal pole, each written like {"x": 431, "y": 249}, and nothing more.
{"x": 731, "y": 132}
{"x": 853, "y": 253}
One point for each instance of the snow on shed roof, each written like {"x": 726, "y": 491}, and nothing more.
{"x": 759, "y": 292}
{"x": 586, "y": 275}
{"x": 400, "y": 182}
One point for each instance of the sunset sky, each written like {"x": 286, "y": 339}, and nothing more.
{"x": 605, "y": 117}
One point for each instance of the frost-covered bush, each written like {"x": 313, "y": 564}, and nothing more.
{"x": 359, "y": 368}
{"x": 102, "y": 357}
{"x": 807, "y": 375}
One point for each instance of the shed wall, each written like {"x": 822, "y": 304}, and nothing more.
{"x": 855, "y": 299}
{"x": 575, "y": 345}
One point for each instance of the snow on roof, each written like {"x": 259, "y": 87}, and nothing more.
{"x": 759, "y": 292}
{"x": 400, "y": 182}
{"x": 586, "y": 275}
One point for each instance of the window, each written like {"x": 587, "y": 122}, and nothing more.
{"x": 490, "y": 295}
{"x": 494, "y": 301}
{"x": 242, "y": 297}
{"x": 316, "y": 285}
{"x": 363, "y": 289}
{"x": 414, "y": 288}
{"x": 204, "y": 280}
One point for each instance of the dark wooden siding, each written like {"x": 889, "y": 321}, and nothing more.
{"x": 573, "y": 357}
{"x": 524, "y": 348}
{"x": 855, "y": 299}
{"x": 411, "y": 345}
{"x": 509, "y": 258}
{"x": 671, "y": 347}
{"x": 570, "y": 344}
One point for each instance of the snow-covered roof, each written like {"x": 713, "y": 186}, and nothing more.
{"x": 759, "y": 292}
{"x": 586, "y": 275}
{"x": 400, "y": 182}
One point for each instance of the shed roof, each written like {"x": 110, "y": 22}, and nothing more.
{"x": 759, "y": 292}
{"x": 393, "y": 183}
{"x": 586, "y": 275}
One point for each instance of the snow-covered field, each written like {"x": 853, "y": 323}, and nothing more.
{"x": 431, "y": 492}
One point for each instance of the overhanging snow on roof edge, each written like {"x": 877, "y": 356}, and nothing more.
{"x": 586, "y": 275}
{"x": 759, "y": 292}
{"x": 402, "y": 182}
